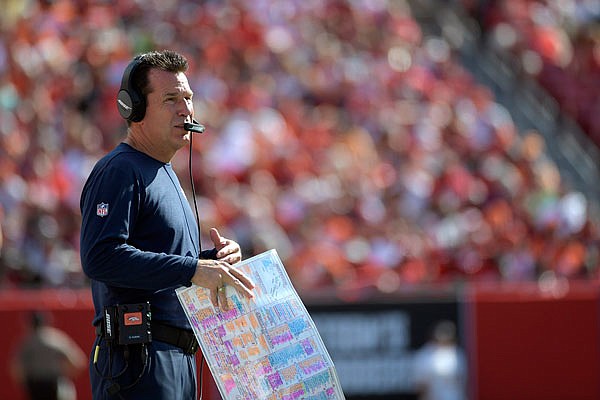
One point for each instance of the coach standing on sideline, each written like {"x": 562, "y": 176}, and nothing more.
{"x": 140, "y": 240}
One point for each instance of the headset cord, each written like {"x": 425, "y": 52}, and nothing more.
{"x": 199, "y": 241}
{"x": 201, "y": 370}
{"x": 115, "y": 388}
{"x": 194, "y": 194}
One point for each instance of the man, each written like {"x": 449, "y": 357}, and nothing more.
{"x": 47, "y": 362}
{"x": 440, "y": 370}
{"x": 139, "y": 240}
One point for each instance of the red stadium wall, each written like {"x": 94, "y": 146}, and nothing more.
{"x": 70, "y": 311}
{"x": 525, "y": 343}
{"x": 522, "y": 343}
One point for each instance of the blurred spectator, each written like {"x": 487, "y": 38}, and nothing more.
{"x": 47, "y": 361}
{"x": 440, "y": 369}
{"x": 1, "y": 224}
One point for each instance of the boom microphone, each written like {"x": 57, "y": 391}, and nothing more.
{"x": 194, "y": 126}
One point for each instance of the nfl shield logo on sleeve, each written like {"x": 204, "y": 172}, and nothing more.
{"x": 102, "y": 209}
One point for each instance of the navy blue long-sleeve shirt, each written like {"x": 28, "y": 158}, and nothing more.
{"x": 139, "y": 238}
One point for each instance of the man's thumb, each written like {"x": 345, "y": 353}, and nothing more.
{"x": 216, "y": 237}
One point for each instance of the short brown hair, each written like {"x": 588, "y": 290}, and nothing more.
{"x": 166, "y": 60}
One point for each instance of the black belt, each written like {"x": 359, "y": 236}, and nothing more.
{"x": 179, "y": 337}
{"x": 182, "y": 338}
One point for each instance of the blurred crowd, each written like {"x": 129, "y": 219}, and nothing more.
{"x": 337, "y": 133}
{"x": 556, "y": 43}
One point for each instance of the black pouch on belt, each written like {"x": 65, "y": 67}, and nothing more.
{"x": 127, "y": 323}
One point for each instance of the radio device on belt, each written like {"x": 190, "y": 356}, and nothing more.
{"x": 125, "y": 324}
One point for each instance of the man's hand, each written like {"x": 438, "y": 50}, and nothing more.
{"x": 227, "y": 250}
{"x": 216, "y": 274}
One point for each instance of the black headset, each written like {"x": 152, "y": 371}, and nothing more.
{"x": 130, "y": 102}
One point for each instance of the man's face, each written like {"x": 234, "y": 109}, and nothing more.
{"x": 169, "y": 106}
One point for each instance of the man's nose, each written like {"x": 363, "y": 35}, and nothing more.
{"x": 185, "y": 108}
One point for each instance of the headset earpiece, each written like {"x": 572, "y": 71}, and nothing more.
{"x": 130, "y": 102}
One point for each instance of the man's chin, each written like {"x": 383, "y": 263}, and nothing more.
{"x": 184, "y": 140}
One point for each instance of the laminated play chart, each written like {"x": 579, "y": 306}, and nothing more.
{"x": 262, "y": 348}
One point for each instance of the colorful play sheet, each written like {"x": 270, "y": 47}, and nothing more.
{"x": 262, "y": 348}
